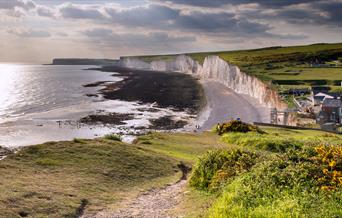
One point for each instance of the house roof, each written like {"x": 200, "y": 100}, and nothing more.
{"x": 332, "y": 102}
{"x": 321, "y": 94}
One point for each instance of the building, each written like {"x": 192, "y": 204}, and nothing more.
{"x": 331, "y": 111}
{"x": 320, "y": 97}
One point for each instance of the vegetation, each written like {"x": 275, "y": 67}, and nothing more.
{"x": 62, "y": 179}
{"x": 236, "y": 126}
{"x": 113, "y": 137}
{"x": 280, "y": 173}
{"x": 298, "y": 174}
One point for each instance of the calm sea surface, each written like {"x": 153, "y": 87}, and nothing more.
{"x": 27, "y": 89}
{"x": 36, "y": 99}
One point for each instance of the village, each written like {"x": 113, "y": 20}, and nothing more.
{"x": 314, "y": 107}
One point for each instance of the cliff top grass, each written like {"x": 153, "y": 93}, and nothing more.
{"x": 317, "y": 64}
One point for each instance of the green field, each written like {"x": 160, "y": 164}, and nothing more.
{"x": 61, "y": 179}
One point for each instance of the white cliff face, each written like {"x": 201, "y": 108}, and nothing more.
{"x": 214, "y": 68}
{"x": 134, "y": 63}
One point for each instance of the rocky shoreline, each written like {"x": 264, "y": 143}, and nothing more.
{"x": 161, "y": 90}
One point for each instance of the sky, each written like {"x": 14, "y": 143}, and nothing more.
{"x": 38, "y": 30}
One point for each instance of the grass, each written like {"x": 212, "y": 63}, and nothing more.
{"x": 66, "y": 179}
{"x": 253, "y": 179}
{"x": 58, "y": 179}
{"x": 184, "y": 147}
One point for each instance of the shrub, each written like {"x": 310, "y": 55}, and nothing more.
{"x": 113, "y": 137}
{"x": 330, "y": 160}
{"x": 236, "y": 126}
{"x": 282, "y": 186}
{"x": 77, "y": 140}
{"x": 216, "y": 167}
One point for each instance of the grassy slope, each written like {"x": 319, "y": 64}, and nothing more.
{"x": 281, "y": 183}
{"x": 53, "y": 178}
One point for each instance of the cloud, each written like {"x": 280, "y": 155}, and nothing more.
{"x": 29, "y": 33}
{"x": 151, "y": 15}
{"x": 80, "y": 12}
{"x": 12, "y": 4}
{"x": 152, "y": 41}
{"x": 220, "y": 3}
{"x": 45, "y": 11}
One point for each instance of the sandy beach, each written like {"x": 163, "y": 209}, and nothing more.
{"x": 224, "y": 104}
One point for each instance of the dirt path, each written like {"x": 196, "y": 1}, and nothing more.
{"x": 155, "y": 203}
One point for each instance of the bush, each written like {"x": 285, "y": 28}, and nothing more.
{"x": 236, "y": 126}
{"x": 216, "y": 167}
{"x": 113, "y": 137}
{"x": 285, "y": 185}
{"x": 330, "y": 159}
{"x": 77, "y": 140}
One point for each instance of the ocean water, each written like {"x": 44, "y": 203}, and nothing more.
{"x": 40, "y": 103}
{"x": 28, "y": 89}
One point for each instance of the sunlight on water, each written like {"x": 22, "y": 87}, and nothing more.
{"x": 9, "y": 76}
{"x": 28, "y": 89}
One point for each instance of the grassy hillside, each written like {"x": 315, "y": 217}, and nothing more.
{"x": 60, "y": 179}
{"x": 280, "y": 173}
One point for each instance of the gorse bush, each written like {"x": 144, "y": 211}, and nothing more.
{"x": 278, "y": 187}
{"x": 216, "y": 167}
{"x": 330, "y": 159}
{"x": 303, "y": 182}
{"x": 236, "y": 126}
{"x": 113, "y": 137}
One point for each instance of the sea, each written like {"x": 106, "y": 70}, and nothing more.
{"x": 40, "y": 103}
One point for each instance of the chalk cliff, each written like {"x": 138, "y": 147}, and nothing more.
{"x": 213, "y": 68}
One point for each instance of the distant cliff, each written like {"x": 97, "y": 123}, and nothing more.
{"x": 214, "y": 68}
{"x": 83, "y": 61}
